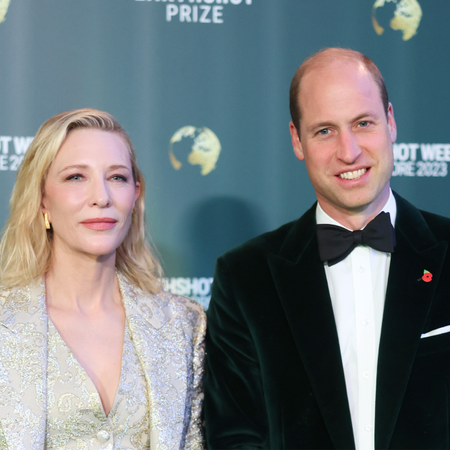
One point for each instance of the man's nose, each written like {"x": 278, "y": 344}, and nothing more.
{"x": 100, "y": 195}
{"x": 349, "y": 149}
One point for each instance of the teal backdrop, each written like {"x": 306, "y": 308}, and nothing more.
{"x": 202, "y": 88}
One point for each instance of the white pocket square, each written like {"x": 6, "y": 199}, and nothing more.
{"x": 436, "y": 332}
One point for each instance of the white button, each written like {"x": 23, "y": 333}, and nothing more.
{"x": 361, "y": 269}
{"x": 365, "y": 322}
{"x": 368, "y": 428}
{"x": 103, "y": 436}
{"x": 366, "y": 375}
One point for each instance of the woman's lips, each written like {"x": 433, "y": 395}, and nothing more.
{"x": 99, "y": 224}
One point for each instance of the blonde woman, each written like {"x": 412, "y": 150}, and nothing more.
{"x": 93, "y": 355}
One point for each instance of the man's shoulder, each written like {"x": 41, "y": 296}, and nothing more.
{"x": 411, "y": 217}
{"x": 436, "y": 221}
{"x": 439, "y": 225}
{"x": 266, "y": 242}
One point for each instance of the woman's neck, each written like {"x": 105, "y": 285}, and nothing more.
{"x": 82, "y": 283}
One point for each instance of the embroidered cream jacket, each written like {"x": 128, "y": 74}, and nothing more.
{"x": 168, "y": 332}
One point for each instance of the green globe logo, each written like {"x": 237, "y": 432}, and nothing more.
{"x": 407, "y": 16}
{"x": 205, "y": 148}
{"x": 3, "y": 9}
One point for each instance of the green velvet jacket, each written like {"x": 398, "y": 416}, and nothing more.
{"x": 274, "y": 376}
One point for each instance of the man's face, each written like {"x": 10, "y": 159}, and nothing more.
{"x": 346, "y": 139}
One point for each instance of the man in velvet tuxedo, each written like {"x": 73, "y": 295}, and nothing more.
{"x": 309, "y": 350}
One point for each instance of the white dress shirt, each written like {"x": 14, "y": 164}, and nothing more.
{"x": 357, "y": 288}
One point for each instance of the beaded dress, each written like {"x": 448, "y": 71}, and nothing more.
{"x": 75, "y": 415}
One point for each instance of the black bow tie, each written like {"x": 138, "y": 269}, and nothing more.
{"x": 336, "y": 243}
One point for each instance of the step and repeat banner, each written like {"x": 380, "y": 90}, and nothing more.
{"x": 202, "y": 88}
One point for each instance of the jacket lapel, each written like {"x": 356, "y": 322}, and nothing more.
{"x": 23, "y": 367}
{"x": 408, "y": 301}
{"x": 301, "y": 283}
{"x": 147, "y": 315}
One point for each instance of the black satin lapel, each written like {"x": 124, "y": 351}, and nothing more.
{"x": 408, "y": 300}
{"x": 303, "y": 291}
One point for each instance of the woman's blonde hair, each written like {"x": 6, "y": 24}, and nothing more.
{"x": 26, "y": 246}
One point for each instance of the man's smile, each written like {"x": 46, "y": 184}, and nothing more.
{"x": 353, "y": 175}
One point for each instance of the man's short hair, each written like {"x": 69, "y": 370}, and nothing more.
{"x": 322, "y": 58}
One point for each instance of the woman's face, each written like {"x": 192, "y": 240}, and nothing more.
{"x": 90, "y": 193}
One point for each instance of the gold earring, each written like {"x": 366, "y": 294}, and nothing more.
{"x": 47, "y": 223}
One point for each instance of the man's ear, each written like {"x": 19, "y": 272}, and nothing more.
{"x": 296, "y": 143}
{"x": 391, "y": 123}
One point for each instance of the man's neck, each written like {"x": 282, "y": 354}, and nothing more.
{"x": 357, "y": 220}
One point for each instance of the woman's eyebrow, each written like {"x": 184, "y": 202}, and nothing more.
{"x": 85, "y": 166}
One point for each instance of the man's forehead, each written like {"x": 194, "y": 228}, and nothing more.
{"x": 338, "y": 89}
{"x": 337, "y": 74}
{"x": 331, "y": 67}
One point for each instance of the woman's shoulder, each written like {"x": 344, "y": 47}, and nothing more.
{"x": 19, "y": 297}
{"x": 163, "y": 304}
{"x": 4, "y": 291}
{"x": 23, "y": 305}
{"x": 4, "y": 294}
{"x": 179, "y": 303}
{"x": 178, "y": 300}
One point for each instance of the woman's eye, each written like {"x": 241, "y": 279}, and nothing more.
{"x": 119, "y": 178}
{"x": 75, "y": 177}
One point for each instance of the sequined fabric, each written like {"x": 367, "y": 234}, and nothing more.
{"x": 168, "y": 336}
{"x": 23, "y": 365}
{"x": 75, "y": 416}
{"x": 172, "y": 353}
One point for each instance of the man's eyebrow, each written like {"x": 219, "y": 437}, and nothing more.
{"x": 320, "y": 125}
{"x": 355, "y": 119}
{"x": 365, "y": 114}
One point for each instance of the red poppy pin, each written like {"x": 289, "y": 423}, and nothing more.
{"x": 427, "y": 276}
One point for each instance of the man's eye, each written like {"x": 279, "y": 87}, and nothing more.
{"x": 325, "y": 131}
{"x": 363, "y": 124}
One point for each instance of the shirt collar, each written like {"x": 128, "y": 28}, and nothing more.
{"x": 390, "y": 207}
